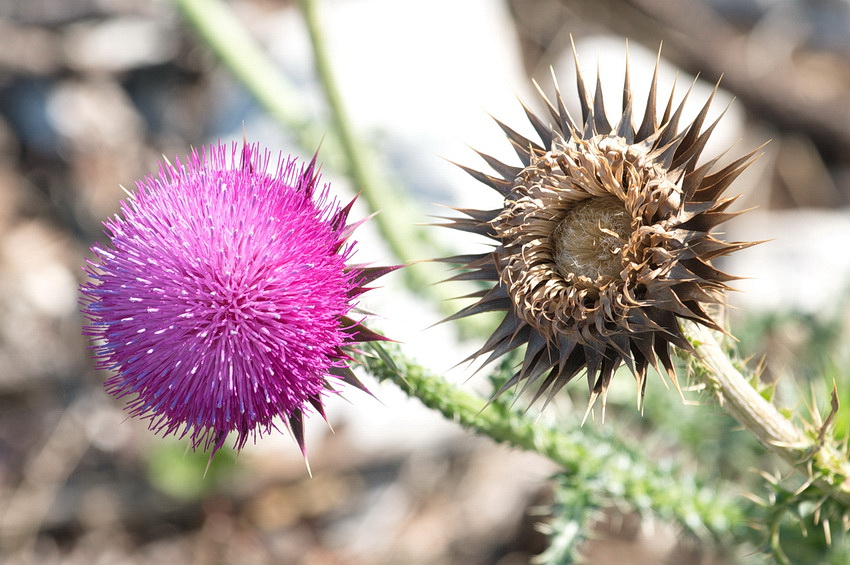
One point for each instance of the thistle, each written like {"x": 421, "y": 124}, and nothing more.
{"x": 603, "y": 243}
{"x": 224, "y": 300}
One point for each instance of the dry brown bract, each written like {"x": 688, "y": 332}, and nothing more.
{"x": 604, "y": 242}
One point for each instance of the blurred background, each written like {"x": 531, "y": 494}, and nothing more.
{"x": 94, "y": 92}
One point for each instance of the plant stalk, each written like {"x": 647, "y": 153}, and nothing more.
{"x": 608, "y": 466}
{"x": 397, "y": 222}
{"x": 826, "y": 466}
{"x": 222, "y": 31}
{"x": 219, "y": 27}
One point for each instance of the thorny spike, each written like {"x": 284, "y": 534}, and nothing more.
{"x": 480, "y": 307}
{"x": 552, "y": 383}
{"x": 508, "y": 172}
{"x": 501, "y": 186}
{"x": 625, "y": 128}
{"x": 640, "y": 379}
{"x": 671, "y": 123}
{"x": 591, "y": 401}
{"x": 366, "y": 275}
{"x": 650, "y": 120}
{"x": 586, "y": 114}
{"x": 545, "y": 132}
{"x": 665, "y": 117}
{"x": 569, "y": 126}
{"x": 693, "y": 180}
{"x": 485, "y": 216}
{"x": 522, "y": 145}
{"x": 627, "y": 87}
{"x": 692, "y": 137}
{"x": 555, "y": 381}
{"x": 665, "y": 154}
{"x": 348, "y": 377}
{"x": 296, "y": 426}
{"x": 689, "y": 157}
{"x": 600, "y": 120}
{"x": 467, "y": 225}
{"x": 713, "y": 185}
{"x": 462, "y": 259}
{"x": 566, "y": 122}
{"x": 508, "y": 336}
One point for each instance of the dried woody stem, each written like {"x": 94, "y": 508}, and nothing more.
{"x": 827, "y": 467}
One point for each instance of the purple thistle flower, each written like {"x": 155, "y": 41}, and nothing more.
{"x": 224, "y": 299}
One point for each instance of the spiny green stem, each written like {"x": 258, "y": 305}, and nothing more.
{"x": 824, "y": 463}
{"x": 494, "y": 420}
{"x": 607, "y": 466}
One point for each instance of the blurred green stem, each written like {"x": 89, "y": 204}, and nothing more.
{"x": 810, "y": 452}
{"x": 222, "y": 31}
{"x": 396, "y": 220}
{"x": 361, "y": 168}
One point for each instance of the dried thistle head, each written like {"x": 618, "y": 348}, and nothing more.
{"x": 603, "y": 243}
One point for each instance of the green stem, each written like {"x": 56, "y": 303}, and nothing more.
{"x": 396, "y": 222}
{"x": 222, "y": 31}
{"x": 250, "y": 64}
{"x": 824, "y": 463}
{"x": 607, "y": 465}
{"x": 493, "y": 419}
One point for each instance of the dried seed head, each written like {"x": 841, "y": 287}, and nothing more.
{"x": 604, "y": 241}
{"x": 588, "y": 240}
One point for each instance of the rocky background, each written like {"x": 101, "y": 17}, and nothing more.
{"x": 94, "y": 92}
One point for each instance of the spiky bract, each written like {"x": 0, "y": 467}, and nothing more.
{"x": 222, "y": 301}
{"x": 603, "y": 243}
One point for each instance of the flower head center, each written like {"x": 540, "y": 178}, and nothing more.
{"x": 589, "y": 239}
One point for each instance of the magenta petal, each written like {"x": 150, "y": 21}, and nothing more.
{"x": 220, "y": 303}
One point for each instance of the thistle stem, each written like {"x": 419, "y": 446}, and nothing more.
{"x": 397, "y": 223}
{"x": 827, "y": 467}
{"x": 222, "y": 31}
{"x": 226, "y": 36}
{"x": 606, "y": 465}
